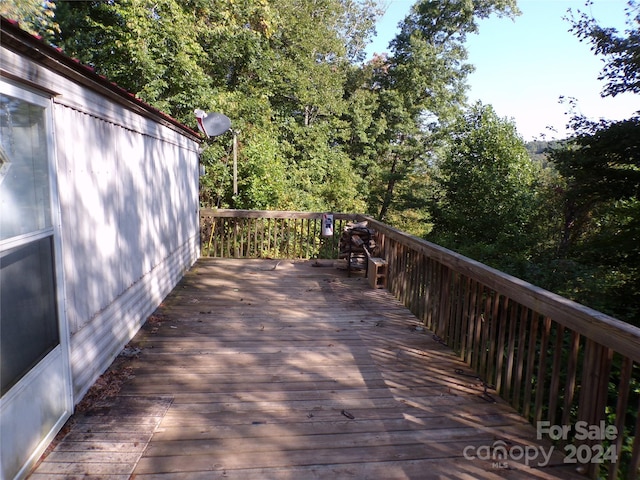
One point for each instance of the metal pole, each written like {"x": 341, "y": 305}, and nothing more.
{"x": 235, "y": 163}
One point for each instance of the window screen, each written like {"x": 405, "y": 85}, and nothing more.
{"x": 28, "y": 320}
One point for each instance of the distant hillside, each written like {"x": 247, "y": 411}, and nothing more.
{"x": 537, "y": 150}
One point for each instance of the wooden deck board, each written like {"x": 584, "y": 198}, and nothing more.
{"x": 280, "y": 370}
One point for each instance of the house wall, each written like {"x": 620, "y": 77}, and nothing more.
{"x": 129, "y": 211}
{"x": 128, "y": 204}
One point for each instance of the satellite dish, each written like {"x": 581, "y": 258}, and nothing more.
{"x": 212, "y": 124}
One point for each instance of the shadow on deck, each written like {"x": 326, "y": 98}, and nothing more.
{"x": 259, "y": 369}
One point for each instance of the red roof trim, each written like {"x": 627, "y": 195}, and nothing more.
{"x": 36, "y": 42}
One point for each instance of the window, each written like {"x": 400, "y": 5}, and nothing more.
{"x": 28, "y": 310}
{"x": 24, "y": 172}
{"x": 29, "y": 323}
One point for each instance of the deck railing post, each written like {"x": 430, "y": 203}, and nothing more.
{"x": 593, "y": 391}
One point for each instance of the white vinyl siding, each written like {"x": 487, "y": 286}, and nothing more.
{"x": 124, "y": 216}
{"x": 129, "y": 204}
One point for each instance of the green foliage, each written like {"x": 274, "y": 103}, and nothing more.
{"x": 487, "y": 196}
{"x": 150, "y": 48}
{"x": 602, "y": 161}
{"x": 601, "y": 214}
{"x": 420, "y": 86}
{"x": 262, "y": 173}
{"x": 631, "y": 415}
{"x": 317, "y": 130}
{"x": 621, "y": 52}
{"x": 217, "y": 183}
{"x": 35, "y": 16}
{"x": 276, "y": 68}
{"x": 596, "y": 256}
{"x": 538, "y": 151}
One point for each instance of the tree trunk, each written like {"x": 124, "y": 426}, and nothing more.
{"x": 388, "y": 196}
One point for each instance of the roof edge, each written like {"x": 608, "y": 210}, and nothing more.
{"x": 23, "y": 42}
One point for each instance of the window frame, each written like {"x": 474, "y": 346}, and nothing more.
{"x": 54, "y": 231}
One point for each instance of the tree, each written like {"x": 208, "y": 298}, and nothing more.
{"x": 486, "y": 185}
{"x": 621, "y": 52}
{"x": 34, "y": 16}
{"x": 310, "y": 61}
{"x": 600, "y": 166}
{"x": 599, "y": 185}
{"x": 422, "y": 85}
{"x": 152, "y": 49}
{"x": 336, "y": 133}
{"x": 276, "y": 68}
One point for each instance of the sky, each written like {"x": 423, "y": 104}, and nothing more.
{"x": 524, "y": 66}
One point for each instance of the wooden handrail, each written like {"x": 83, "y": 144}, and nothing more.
{"x": 608, "y": 331}
{"x": 232, "y": 213}
{"x": 552, "y": 359}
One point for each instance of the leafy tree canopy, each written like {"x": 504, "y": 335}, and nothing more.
{"x": 486, "y": 201}
{"x": 621, "y": 51}
{"x": 35, "y": 16}
{"x": 419, "y": 87}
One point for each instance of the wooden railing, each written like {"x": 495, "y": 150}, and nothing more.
{"x": 268, "y": 234}
{"x": 559, "y": 363}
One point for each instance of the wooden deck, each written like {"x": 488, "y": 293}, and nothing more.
{"x": 260, "y": 369}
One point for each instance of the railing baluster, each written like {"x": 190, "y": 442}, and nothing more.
{"x": 542, "y": 369}
{"x": 286, "y": 237}
{"x": 428, "y": 293}
{"x": 301, "y": 237}
{"x": 511, "y": 348}
{"x": 531, "y": 358}
{"x": 478, "y": 320}
{"x": 572, "y": 373}
{"x": 486, "y": 329}
{"x": 466, "y": 354}
{"x": 445, "y": 282}
{"x": 624, "y": 387}
{"x": 404, "y": 274}
{"x": 634, "y": 463}
{"x": 493, "y": 334}
{"x": 242, "y": 231}
{"x": 273, "y": 241}
{"x": 593, "y": 394}
{"x": 422, "y": 279}
{"x": 465, "y": 321}
{"x": 236, "y": 251}
{"x": 415, "y": 275}
{"x": 502, "y": 327}
{"x": 523, "y": 329}
{"x": 256, "y": 250}
{"x": 554, "y": 386}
